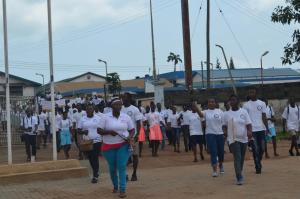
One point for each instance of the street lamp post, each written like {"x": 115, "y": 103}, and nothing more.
{"x": 7, "y": 96}
{"x": 261, "y": 68}
{"x": 41, "y": 75}
{"x": 229, "y": 70}
{"x": 105, "y": 92}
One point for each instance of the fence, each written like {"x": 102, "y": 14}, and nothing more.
{"x": 18, "y": 106}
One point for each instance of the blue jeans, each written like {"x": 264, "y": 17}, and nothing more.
{"x": 117, "y": 161}
{"x": 176, "y": 136}
{"x": 258, "y": 148}
{"x": 215, "y": 145}
{"x": 163, "y": 131}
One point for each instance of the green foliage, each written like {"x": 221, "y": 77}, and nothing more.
{"x": 218, "y": 64}
{"x": 286, "y": 15}
{"x": 114, "y": 83}
{"x": 231, "y": 64}
{"x": 174, "y": 58}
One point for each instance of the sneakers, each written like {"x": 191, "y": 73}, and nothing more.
{"x": 32, "y": 159}
{"x": 291, "y": 153}
{"x": 240, "y": 181}
{"x": 215, "y": 174}
{"x": 222, "y": 171}
{"x": 258, "y": 171}
{"x": 94, "y": 180}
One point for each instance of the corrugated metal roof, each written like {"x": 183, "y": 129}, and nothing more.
{"x": 252, "y": 72}
{"x": 174, "y": 75}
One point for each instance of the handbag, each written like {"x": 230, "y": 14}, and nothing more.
{"x": 86, "y": 145}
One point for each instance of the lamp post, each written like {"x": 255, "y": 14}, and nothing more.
{"x": 229, "y": 70}
{"x": 105, "y": 92}
{"x": 41, "y": 75}
{"x": 53, "y": 121}
{"x": 261, "y": 68}
{"x": 7, "y": 95}
{"x": 211, "y": 73}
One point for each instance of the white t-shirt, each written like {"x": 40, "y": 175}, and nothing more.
{"x": 163, "y": 115}
{"x": 270, "y": 113}
{"x": 78, "y": 100}
{"x": 292, "y": 118}
{"x": 41, "y": 119}
{"x": 77, "y": 117}
{"x": 214, "y": 121}
{"x": 154, "y": 119}
{"x": 195, "y": 124}
{"x": 134, "y": 113}
{"x": 185, "y": 117}
{"x": 255, "y": 110}
{"x": 58, "y": 119}
{"x": 173, "y": 119}
{"x": 121, "y": 125}
{"x": 65, "y": 124}
{"x": 107, "y": 110}
{"x": 29, "y": 122}
{"x": 91, "y": 125}
{"x": 236, "y": 122}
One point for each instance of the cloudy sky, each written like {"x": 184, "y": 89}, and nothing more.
{"x": 119, "y": 31}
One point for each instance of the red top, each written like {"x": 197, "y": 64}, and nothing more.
{"x": 106, "y": 147}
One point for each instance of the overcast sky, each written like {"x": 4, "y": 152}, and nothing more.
{"x": 119, "y": 31}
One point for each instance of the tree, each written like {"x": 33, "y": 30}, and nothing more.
{"x": 174, "y": 58}
{"x": 231, "y": 64}
{"x": 286, "y": 15}
{"x": 218, "y": 64}
{"x": 114, "y": 83}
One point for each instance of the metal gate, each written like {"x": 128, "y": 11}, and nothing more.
{"x": 18, "y": 106}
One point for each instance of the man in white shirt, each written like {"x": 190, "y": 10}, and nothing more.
{"x": 184, "y": 116}
{"x": 136, "y": 117}
{"x": 29, "y": 126}
{"x": 257, "y": 112}
{"x": 168, "y": 112}
{"x": 291, "y": 119}
{"x": 41, "y": 132}
{"x": 163, "y": 115}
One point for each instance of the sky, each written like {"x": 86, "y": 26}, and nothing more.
{"x": 118, "y": 31}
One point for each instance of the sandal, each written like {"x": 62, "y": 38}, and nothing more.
{"x": 115, "y": 191}
{"x": 122, "y": 195}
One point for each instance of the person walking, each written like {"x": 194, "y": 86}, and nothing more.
{"x": 118, "y": 132}
{"x": 237, "y": 127}
{"x": 29, "y": 125}
{"x": 291, "y": 119}
{"x": 184, "y": 116}
{"x": 89, "y": 126}
{"x": 174, "y": 124}
{"x": 214, "y": 135}
{"x": 257, "y": 111}
{"x": 65, "y": 134}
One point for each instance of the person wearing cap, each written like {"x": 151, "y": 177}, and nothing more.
{"x": 117, "y": 130}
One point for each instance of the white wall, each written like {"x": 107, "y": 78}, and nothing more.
{"x": 89, "y": 78}
{"x": 28, "y": 91}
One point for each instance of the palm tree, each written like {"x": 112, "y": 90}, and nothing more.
{"x": 174, "y": 58}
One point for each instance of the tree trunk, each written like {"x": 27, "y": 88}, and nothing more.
{"x": 174, "y": 67}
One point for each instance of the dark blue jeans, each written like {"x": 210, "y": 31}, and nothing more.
{"x": 258, "y": 148}
{"x": 215, "y": 145}
{"x": 176, "y": 136}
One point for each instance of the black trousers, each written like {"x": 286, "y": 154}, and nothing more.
{"x": 93, "y": 157}
{"x": 186, "y": 135}
{"x": 30, "y": 145}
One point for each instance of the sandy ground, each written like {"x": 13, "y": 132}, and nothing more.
{"x": 174, "y": 176}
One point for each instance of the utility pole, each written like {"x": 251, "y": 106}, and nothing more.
{"x": 208, "y": 44}
{"x": 53, "y": 125}
{"x": 187, "y": 44}
{"x": 202, "y": 75}
{"x": 9, "y": 148}
{"x": 153, "y": 43}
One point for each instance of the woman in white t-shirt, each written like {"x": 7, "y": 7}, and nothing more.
{"x": 118, "y": 131}
{"x": 89, "y": 126}
{"x": 237, "y": 126}
{"x": 65, "y": 134}
{"x": 214, "y": 135}
{"x": 196, "y": 133}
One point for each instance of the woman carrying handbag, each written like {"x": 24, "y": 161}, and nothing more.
{"x": 89, "y": 126}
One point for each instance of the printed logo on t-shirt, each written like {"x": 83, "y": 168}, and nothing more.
{"x": 129, "y": 113}
{"x": 259, "y": 108}
{"x": 216, "y": 116}
{"x": 242, "y": 116}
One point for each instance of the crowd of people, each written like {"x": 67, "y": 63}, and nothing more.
{"x": 119, "y": 129}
